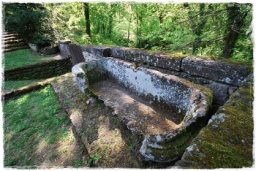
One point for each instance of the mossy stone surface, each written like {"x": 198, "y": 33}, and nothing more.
{"x": 227, "y": 140}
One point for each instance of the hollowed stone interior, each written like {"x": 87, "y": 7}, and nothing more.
{"x": 157, "y": 106}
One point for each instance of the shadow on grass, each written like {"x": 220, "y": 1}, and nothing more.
{"x": 37, "y": 133}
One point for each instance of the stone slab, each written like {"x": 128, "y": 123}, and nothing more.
{"x": 138, "y": 114}
{"x": 161, "y": 60}
{"x": 100, "y": 51}
{"x": 223, "y": 72}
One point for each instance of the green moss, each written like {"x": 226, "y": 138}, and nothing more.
{"x": 176, "y": 146}
{"x": 242, "y": 99}
{"x": 94, "y": 75}
{"x": 170, "y": 54}
{"x": 229, "y": 144}
{"x": 229, "y": 61}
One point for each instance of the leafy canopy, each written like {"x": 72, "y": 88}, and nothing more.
{"x": 30, "y": 20}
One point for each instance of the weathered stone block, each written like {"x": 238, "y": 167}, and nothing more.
{"x": 161, "y": 60}
{"x": 88, "y": 57}
{"x": 168, "y": 61}
{"x": 228, "y": 73}
{"x": 227, "y": 140}
{"x": 220, "y": 92}
{"x": 117, "y": 52}
{"x": 160, "y": 135}
{"x": 63, "y": 47}
{"x": 49, "y": 50}
{"x": 100, "y": 51}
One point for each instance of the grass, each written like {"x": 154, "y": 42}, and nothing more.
{"x": 92, "y": 161}
{"x": 15, "y": 84}
{"x": 36, "y": 130}
{"x": 20, "y": 58}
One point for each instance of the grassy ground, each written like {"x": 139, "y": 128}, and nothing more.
{"x": 15, "y": 84}
{"x": 37, "y": 133}
{"x": 20, "y": 58}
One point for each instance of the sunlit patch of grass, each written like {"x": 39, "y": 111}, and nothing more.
{"x": 20, "y": 58}
{"x": 28, "y": 120}
{"x": 15, "y": 84}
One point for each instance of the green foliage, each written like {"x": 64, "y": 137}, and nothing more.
{"x": 188, "y": 27}
{"x": 30, "y": 20}
{"x": 21, "y": 58}
{"x": 68, "y": 21}
{"x": 92, "y": 161}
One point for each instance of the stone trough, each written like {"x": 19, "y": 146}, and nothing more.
{"x": 164, "y": 110}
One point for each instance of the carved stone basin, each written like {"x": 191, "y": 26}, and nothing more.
{"x": 164, "y": 109}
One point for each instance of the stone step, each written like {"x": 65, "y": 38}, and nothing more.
{"x": 16, "y": 48}
{"x": 14, "y": 44}
{"x": 13, "y": 41}
{"x": 10, "y": 38}
{"x": 6, "y": 35}
{"x": 102, "y": 133}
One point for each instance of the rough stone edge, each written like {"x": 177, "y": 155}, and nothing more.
{"x": 25, "y": 89}
{"x": 193, "y": 157}
{"x": 190, "y": 120}
{"x": 188, "y": 66}
{"x": 102, "y": 51}
{"x": 31, "y": 66}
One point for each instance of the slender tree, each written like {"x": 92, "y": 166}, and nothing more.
{"x": 87, "y": 18}
{"x": 235, "y": 22}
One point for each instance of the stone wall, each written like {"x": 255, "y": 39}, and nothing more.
{"x": 39, "y": 70}
{"x": 222, "y": 77}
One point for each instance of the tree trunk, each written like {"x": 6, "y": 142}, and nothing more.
{"x": 237, "y": 17}
{"x": 110, "y": 21}
{"x": 87, "y": 19}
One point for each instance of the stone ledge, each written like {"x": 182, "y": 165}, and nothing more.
{"x": 162, "y": 60}
{"x": 26, "y": 89}
{"x": 227, "y": 140}
{"x": 39, "y": 70}
{"x": 223, "y": 72}
{"x": 101, "y": 51}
